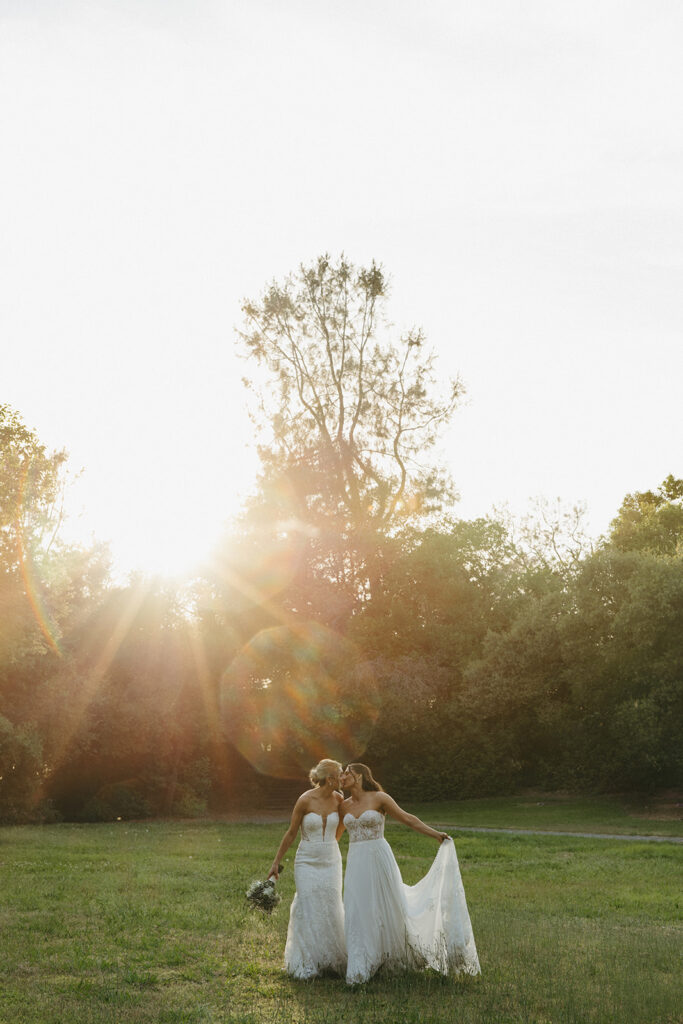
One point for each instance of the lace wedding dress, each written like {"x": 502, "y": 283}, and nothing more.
{"x": 315, "y": 936}
{"x": 400, "y": 926}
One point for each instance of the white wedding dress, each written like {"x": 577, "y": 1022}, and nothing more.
{"x": 315, "y": 936}
{"x": 397, "y": 926}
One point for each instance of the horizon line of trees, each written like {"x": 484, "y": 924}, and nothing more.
{"x": 351, "y": 616}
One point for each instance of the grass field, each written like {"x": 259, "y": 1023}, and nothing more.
{"x": 624, "y": 816}
{"x": 147, "y": 922}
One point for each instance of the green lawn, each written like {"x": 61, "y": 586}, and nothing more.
{"x": 138, "y": 922}
{"x": 654, "y": 816}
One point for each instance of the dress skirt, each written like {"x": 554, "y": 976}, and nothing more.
{"x": 315, "y": 935}
{"x": 399, "y": 927}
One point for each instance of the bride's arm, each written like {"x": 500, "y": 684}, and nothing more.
{"x": 289, "y": 836}
{"x": 389, "y": 806}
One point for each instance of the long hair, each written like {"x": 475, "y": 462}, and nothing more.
{"x": 369, "y": 784}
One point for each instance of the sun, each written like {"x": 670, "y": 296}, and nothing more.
{"x": 168, "y": 529}
{"x": 171, "y": 550}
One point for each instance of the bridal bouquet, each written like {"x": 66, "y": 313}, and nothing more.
{"x": 263, "y": 896}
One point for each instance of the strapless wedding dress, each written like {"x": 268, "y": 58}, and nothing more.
{"x": 397, "y": 926}
{"x": 315, "y": 936}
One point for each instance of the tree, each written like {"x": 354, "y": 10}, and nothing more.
{"x": 30, "y": 515}
{"x": 352, "y": 414}
{"x": 584, "y": 689}
{"x": 551, "y": 536}
{"x": 442, "y": 590}
{"x": 651, "y": 520}
{"x": 125, "y": 721}
{"x": 46, "y": 589}
{"x": 30, "y": 489}
{"x": 20, "y": 771}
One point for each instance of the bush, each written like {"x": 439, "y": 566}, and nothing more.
{"x": 20, "y": 772}
{"x": 116, "y": 800}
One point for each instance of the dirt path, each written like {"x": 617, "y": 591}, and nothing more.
{"x": 548, "y": 832}
{"x": 273, "y": 817}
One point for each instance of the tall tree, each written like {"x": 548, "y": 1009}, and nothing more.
{"x": 352, "y": 413}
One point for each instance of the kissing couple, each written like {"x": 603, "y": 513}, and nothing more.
{"x": 381, "y": 922}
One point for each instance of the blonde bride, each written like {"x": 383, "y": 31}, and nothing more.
{"x": 315, "y": 935}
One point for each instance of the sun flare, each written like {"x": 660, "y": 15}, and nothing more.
{"x": 169, "y": 550}
{"x": 160, "y": 534}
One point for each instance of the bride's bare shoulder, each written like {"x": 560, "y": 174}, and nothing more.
{"x": 305, "y": 799}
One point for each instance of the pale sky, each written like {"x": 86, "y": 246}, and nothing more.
{"x": 515, "y": 166}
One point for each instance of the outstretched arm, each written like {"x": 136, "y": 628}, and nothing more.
{"x": 288, "y": 838}
{"x": 389, "y": 805}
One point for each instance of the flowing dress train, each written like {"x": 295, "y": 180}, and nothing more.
{"x": 315, "y": 935}
{"x": 396, "y": 926}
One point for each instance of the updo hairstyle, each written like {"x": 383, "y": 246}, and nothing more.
{"x": 319, "y": 774}
{"x": 369, "y": 784}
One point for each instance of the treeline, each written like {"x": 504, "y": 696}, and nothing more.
{"x": 501, "y": 673}
{"x": 349, "y": 616}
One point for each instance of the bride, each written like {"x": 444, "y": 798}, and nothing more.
{"x": 315, "y": 935}
{"x": 388, "y": 923}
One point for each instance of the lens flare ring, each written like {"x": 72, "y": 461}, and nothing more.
{"x": 296, "y": 694}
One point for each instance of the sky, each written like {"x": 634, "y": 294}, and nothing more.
{"x": 515, "y": 167}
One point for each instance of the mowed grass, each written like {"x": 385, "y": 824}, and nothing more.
{"x": 656, "y": 816}
{"x": 147, "y": 922}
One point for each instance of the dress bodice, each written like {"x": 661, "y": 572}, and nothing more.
{"x": 318, "y": 829}
{"x": 368, "y": 825}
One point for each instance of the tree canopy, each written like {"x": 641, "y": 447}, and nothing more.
{"x": 651, "y": 520}
{"x": 353, "y": 411}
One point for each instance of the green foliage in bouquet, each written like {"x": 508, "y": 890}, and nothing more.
{"x": 263, "y": 895}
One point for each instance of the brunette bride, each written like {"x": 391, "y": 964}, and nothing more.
{"x": 389, "y": 924}
{"x": 315, "y": 936}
